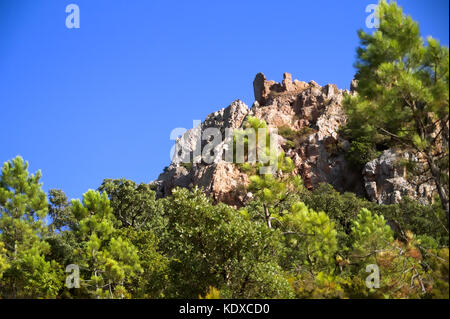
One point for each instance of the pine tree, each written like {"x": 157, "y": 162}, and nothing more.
{"x": 23, "y": 210}
{"x": 402, "y": 273}
{"x": 107, "y": 261}
{"x": 403, "y": 95}
{"x": 3, "y": 260}
{"x": 311, "y": 238}
{"x": 59, "y": 210}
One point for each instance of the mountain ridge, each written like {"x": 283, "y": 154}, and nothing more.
{"x": 308, "y": 118}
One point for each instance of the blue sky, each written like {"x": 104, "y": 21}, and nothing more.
{"x": 100, "y": 101}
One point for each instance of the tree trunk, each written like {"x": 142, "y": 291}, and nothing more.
{"x": 267, "y": 215}
{"x": 443, "y": 196}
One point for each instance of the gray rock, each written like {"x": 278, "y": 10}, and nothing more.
{"x": 385, "y": 180}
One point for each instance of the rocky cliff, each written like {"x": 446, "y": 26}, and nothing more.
{"x": 308, "y": 117}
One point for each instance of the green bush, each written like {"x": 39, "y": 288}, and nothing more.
{"x": 361, "y": 151}
{"x": 294, "y": 138}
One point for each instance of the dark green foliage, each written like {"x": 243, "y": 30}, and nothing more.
{"x": 361, "y": 151}
{"x": 59, "y": 210}
{"x": 287, "y": 242}
{"x": 216, "y": 246}
{"x": 409, "y": 215}
{"x": 134, "y": 205}
{"x": 153, "y": 281}
{"x": 403, "y": 95}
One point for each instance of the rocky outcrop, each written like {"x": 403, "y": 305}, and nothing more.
{"x": 386, "y": 182}
{"x": 317, "y": 112}
{"x": 264, "y": 89}
{"x": 220, "y": 179}
{"x": 312, "y": 115}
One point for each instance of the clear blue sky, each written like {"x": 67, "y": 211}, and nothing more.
{"x": 100, "y": 101}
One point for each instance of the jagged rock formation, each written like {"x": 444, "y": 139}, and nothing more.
{"x": 386, "y": 183}
{"x": 221, "y": 179}
{"x": 263, "y": 89}
{"x": 315, "y": 114}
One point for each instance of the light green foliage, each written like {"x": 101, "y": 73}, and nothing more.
{"x": 401, "y": 273}
{"x": 248, "y": 168}
{"x": 311, "y": 239}
{"x": 370, "y": 232}
{"x": 3, "y": 261}
{"x": 268, "y": 188}
{"x": 108, "y": 261}
{"x": 272, "y": 195}
{"x": 255, "y": 123}
{"x": 250, "y": 127}
{"x": 285, "y": 164}
{"x": 23, "y": 209}
{"x": 267, "y": 156}
{"x": 271, "y": 189}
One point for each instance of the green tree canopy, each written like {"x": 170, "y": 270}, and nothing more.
{"x": 402, "y": 95}
{"x": 108, "y": 262}
{"x": 23, "y": 210}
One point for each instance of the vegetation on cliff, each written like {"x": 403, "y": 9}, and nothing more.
{"x": 287, "y": 241}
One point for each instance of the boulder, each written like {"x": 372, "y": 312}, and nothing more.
{"x": 385, "y": 180}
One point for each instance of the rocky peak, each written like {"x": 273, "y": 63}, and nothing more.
{"x": 264, "y": 89}
{"x": 308, "y": 117}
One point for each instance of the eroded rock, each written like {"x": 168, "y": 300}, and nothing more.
{"x": 385, "y": 180}
{"x": 315, "y": 115}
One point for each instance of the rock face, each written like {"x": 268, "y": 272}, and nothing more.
{"x": 318, "y": 112}
{"x": 315, "y": 114}
{"x": 220, "y": 179}
{"x": 264, "y": 89}
{"x": 385, "y": 180}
